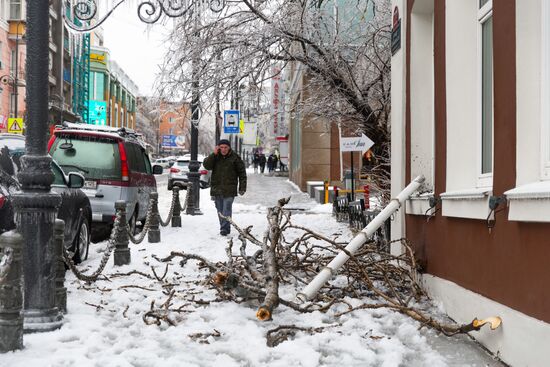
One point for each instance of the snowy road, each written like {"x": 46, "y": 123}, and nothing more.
{"x": 105, "y": 327}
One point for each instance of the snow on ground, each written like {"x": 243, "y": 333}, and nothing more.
{"x": 104, "y": 326}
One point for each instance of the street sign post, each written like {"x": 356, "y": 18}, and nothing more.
{"x": 231, "y": 121}
{"x": 15, "y": 125}
{"x": 355, "y": 144}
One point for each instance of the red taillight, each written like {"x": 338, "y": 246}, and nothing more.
{"x": 50, "y": 142}
{"x": 124, "y": 171}
{"x": 2, "y": 201}
{"x": 174, "y": 170}
{"x": 203, "y": 172}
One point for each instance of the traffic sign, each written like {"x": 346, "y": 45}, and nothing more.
{"x": 15, "y": 125}
{"x": 231, "y": 121}
{"x": 359, "y": 143}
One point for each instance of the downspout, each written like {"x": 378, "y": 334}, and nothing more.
{"x": 313, "y": 287}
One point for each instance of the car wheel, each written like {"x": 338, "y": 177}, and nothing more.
{"x": 82, "y": 241}
{"x": 170, "y": 185}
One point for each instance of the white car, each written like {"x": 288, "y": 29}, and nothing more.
{"x": 180, "y": 169}
{"x": 163, "y": 162}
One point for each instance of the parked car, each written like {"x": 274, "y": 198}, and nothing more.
{"x": 75, "y": 208}
{"x": 114, "y": 164}
{"x": 180, "y": 169}
{"x": 163, "y": 162}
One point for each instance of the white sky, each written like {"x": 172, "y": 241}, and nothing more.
{"x": 134, "y": 45}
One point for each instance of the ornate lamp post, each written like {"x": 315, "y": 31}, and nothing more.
{"x": 36, "y": 205}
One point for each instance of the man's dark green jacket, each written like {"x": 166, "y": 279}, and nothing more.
{"x": 228, "y": 174}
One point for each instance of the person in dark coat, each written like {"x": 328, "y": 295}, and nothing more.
{"x": 270, "y": 163}
{"x": 262, "y": 163}
{"x": 275, "y": 160}
{"x": 228, "y": 178}
{"x": 256, "y": 162}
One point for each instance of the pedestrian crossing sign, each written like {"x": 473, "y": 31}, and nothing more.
{"x": 15, "y": 125}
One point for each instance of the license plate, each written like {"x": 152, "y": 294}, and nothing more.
{"x": 90, "y": 184}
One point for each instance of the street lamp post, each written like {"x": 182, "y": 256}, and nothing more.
{"x": 193, "y": 206}
{"x": 36, "y": 205}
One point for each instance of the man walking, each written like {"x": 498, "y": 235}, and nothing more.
{"x": 228, "y": 178}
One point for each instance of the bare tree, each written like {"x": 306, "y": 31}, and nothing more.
{"x": 342, "y": 46}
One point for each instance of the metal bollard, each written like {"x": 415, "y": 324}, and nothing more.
{"x": 11, "y": 295}
{"x": 122, "y": 252}
{"x": 153, "y": 236}
{"x": 176, "y": 216}
{"x": 60, "y": 290}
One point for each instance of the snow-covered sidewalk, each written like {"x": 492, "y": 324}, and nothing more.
{"x": 104, "y": 325}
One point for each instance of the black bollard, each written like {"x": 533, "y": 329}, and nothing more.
{"x": 122, "y": 252}
{"x": 153, "y": 236}
{"x": 11, "y": 295}
{"x": 176, "y": 216}
{"x": 60, "y": 290}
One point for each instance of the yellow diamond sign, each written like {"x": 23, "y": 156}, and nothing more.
{"x": 15, "y": 125}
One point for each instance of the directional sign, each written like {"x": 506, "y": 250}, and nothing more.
{"x": 360, "y": 143}
{"x": 15, "y": 125}
{"x": 231, "y": 121}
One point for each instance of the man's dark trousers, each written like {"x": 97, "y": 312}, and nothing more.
{"x": 224, "y": 205}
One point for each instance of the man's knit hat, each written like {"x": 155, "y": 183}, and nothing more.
{"x": 224, "y": 141}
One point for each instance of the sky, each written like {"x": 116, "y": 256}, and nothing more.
{"x": 134, "y": 45}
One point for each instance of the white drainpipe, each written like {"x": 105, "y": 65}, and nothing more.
{"x": 312, "y": 288}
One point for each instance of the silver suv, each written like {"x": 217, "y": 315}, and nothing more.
{"x": 115, "y": 166}
{"x": 180, "y": 169}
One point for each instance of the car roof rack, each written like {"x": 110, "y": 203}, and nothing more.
{"x": 122, "y": 131}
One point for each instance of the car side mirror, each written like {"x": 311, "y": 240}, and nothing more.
{"x": 76, "y": 180}
{"x": 157, "y": 169}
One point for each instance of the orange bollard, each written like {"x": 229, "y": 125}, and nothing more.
{"x": 326, "y": 192}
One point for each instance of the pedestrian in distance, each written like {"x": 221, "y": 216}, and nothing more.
{"x": 256, "y": 162}
{"x": 228, "y": 178}
{"x": 262, "y": 162}
{"x": 275, "y": 161}
{"x": 270, "y": 163}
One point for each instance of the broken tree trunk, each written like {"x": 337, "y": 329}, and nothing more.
{"x": 270, "y": 244}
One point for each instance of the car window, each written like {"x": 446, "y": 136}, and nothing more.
{"x": 182, "y": 163}
{"x": 94, "y": 157}
{"x": 135, "y": 158}
{"x": 148, "y": 168}
{"x": 13, "y": 144}
{"x": 57, "y": 176}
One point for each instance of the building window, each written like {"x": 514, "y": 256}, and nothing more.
{"x": 15, "y": 9}
{"x": 486, "y": 88}
{"x": 97, "y": 86}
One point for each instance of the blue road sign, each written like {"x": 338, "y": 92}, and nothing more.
{"x": 169, "y": 141}
{"x": 231, "y": 121}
